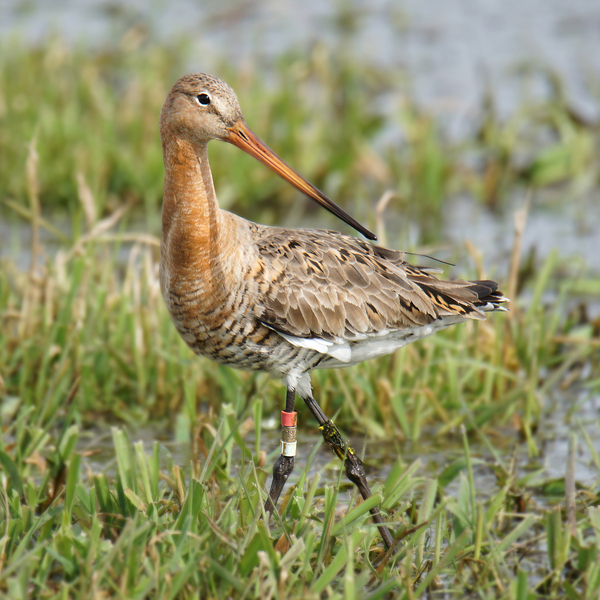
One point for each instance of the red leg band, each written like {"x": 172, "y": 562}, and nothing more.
{"x": 289, "y": 419}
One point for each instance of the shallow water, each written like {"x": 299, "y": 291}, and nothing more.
{"x": 452, "y": 50}
{"x": 571, "y": 229}
{"x": 564, "y": 412}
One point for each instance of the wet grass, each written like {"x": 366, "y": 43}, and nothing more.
{"x": 85, "y": 339}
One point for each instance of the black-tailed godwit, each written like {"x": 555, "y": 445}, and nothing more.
{"x": 285, "y": 301}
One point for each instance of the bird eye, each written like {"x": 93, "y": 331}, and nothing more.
{"x": 204, "y": 99}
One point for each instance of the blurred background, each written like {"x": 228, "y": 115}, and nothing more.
{"x": 458, "y": 108}
{"x": 469, "y": 130}
{"x": 453, "y": 51}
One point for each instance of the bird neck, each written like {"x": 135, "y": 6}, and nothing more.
{"x": 192, "y": 223}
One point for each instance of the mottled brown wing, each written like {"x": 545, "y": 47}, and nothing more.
{"x": 329, "y": 285}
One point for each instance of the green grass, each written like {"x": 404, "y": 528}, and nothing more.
{"x": 85, "y": 341}
{"x": 98, "y": 112}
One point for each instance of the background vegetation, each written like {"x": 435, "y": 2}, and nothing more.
{"x": 86, "y": 343}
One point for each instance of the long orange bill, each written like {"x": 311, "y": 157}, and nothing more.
{"x": 243, "y": 137}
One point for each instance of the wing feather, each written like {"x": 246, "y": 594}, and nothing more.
{"x": 326, "y": 285}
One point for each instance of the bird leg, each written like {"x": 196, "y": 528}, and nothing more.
{"x": 355, "y": 470}
{"x": 285, "y": 463}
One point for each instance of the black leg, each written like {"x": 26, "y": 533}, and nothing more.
{"x": 285, "y": 463}
{"x": 355, "y": 470}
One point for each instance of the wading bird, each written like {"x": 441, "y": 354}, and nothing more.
{"x": 284, "y": 301}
